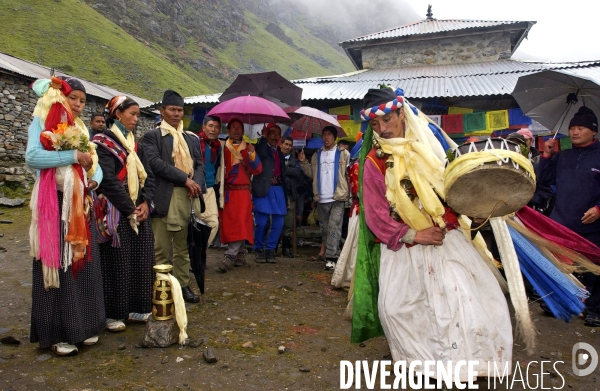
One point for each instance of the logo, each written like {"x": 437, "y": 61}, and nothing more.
{"x": 581, "y": 359}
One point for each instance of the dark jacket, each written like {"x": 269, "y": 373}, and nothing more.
{"x": 157, "y": 151}
{"x": 112, "y": 187}
{"x": 261, "y": 183}
{"x": 294, "y": 177}
{"x": 576, "y": 174}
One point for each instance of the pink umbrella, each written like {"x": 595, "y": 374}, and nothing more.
{"x": 249, "y": 110}
{"x": 312, "y": 120}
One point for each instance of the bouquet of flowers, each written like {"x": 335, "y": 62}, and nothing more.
{"x": 64, "y": 138}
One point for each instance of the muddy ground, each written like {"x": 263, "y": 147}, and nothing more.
{"x": 290, "y": 303}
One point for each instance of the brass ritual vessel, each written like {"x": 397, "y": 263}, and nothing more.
{"x": 163, "y": 307}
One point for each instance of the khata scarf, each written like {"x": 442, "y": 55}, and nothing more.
{"x": 136, "y": 175}
{"x": 181, "y": 153}
{"x": 53, "y": 110}
{"x": 236, "y": 153}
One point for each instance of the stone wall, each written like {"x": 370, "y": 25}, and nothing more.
{"x": 17, "y": 101}
{"x": 454, "y": 50}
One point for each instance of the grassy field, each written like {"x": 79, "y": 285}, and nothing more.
{"x": 72, "y": 37}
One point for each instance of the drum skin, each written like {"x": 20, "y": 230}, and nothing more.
{"x": 489, "y": 185}
{"x": 477, "y": 192}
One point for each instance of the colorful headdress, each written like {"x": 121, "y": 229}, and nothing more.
{"x": 381, "y": 101}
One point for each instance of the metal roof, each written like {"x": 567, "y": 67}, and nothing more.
{"x": 430, "y": 26}
{"x": 36, "y": 71}
{"x": 481, "y": 79}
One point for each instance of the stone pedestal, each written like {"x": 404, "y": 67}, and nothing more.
{"x": 160, "y": 333}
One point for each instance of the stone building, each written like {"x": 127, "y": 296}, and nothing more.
{"x": 439, "y": 63}
{"x": 17, "y": 102}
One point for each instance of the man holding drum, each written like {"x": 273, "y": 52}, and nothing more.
{"x": 576, "y": 174}
{"x": 437, "y": 299}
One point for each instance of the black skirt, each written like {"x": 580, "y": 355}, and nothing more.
{"x": 75, "y": 311}
{"x": 127, "y": 271}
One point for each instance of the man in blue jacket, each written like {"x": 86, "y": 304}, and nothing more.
{"x": 576, "y": 174}
{"x": 269, "y": 195}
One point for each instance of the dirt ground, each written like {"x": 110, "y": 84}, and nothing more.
{"x": 290, "y": 304}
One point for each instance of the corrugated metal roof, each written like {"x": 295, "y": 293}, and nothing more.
{"x": 480, "y": 79}
{"x": 494, "y": 78}
{"x": 36, "y": 71}
{"x": 430, "y": 26}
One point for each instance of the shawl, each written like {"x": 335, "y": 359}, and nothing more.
{"x": 55, "y": 114}
{"x": 181, "y": 153}
{"x": 136, "y": 174}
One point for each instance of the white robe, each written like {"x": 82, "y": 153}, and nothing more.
{"x": 442, "y": 303}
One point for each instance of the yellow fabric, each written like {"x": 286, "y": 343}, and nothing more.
{"x": 496, "y": 120}
{"x": 469, "y": 161}
{"x": 236, "y": 151}
{"x": 180, "y": 314}
{"x": 136, "y": 175}
{"x": 419, "y": 157}
{"x": 415, "y": 161}
{"x": 342, "y": 110}
{"x": 351, "y": 128}
{"x": 459, "y": 110}
{"x": 181, "y": 153}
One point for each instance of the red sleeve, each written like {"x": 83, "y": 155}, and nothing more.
{"x": 377, "y": 211}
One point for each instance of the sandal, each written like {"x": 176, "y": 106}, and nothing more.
{"x": 64, "y": 349}
{"x": 317, "y": 258}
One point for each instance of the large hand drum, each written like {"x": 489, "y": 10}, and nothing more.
{"x": 489, "y": 177}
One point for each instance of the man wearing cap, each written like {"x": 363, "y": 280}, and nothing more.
{"x": 269, "y": 195}
{"x": 435, "y": 297}
{"x": 576, "y": 174}
{"x": 179, "y": 177}
{"x": 327, "y": 169}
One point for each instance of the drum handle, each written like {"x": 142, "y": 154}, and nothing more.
{"x": 488, "y": 218}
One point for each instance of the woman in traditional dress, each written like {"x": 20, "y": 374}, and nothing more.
{"x": 67, "y": 296}
{"x": 123, "y": 206}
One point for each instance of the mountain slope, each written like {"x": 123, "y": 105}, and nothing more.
{"x": 76, "y": 38}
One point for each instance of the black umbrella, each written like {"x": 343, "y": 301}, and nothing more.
{"x": 197, "y": 243}
{"x": 268, "y": 85}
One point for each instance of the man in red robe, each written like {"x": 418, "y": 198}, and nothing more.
{"x": 240, "y": 162}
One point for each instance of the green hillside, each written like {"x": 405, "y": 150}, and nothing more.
{"x": 73, "y": 37}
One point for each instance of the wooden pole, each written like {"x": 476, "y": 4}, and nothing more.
{"x": 294, "y": 240}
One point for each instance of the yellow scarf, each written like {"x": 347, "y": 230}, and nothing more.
{"x": 414, "y": 161}
{"x": 136, "y": 175}
{"x": 181, "y": 153}
{"x": 236, "y": 153}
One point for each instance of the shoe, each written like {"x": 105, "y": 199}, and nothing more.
{"x": 115, "y": 325}
{"x": 259, "y": 256}
{"x": 225, "y": 264}
{"x": 592, "y": 321}
{"x": 137, "y": 317}
{"x": 64, "y": 349}
{"x": 330, "y": 265}
{"x": 270, "y": 256}
{"x": 91, "y": 340}
{"x": 240, "y": 259}
{"x": 189, "y": 296}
